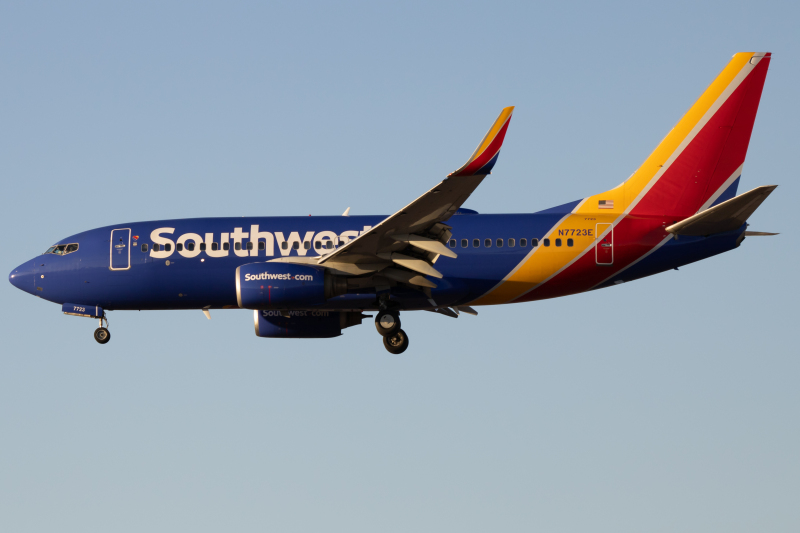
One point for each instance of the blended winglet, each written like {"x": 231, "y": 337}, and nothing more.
{"x": 485, "y": 156}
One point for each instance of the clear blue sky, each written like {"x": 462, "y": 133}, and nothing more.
{"x": 668, "y": 404}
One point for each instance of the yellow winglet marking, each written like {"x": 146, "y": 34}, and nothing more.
{"x": 505, "y": 114}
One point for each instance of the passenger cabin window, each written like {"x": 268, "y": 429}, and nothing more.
{"x": 295, "y": 246}
{"x": 179, "y": 247}
{"x": 524, "y": 243}
{"x": 190, "y": 246}
{"x": 499, "y": 243}
{"x": 547, "y": 242}
{"x": 307, "y": 245}
{"x": 570, "y": 242}
{"x": 452, "y": 243}
{"x": 511, "y": 243}
{"x": 464, "y": 243}
{"x": 558, "y": 242}
{"x": 261, "y": 246}
{"x": 487, "y": 243}
{"x": 214, "y": 247}
{"x": 317, "y": 245}
{"x": 225, "y": 246}
{"x": 168, "y": 247}
{"x": 202, "y": 247}
{"x": 534, "y": 243}
{"x": 329, "y": 245}
{"x": 144, "y": 246}
{"x": 250, "y": 245}
{"x": 156, "y": 248}
{"x": 237, "y": 246}
{"x": 476, "y": 243}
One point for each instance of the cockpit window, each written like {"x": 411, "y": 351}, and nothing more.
{"x": 62, "y": 249}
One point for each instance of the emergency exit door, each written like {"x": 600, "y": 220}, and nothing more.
{"x": 120, "y": 249}
{"x": 604, "y": 246}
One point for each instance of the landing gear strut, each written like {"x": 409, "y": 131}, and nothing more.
{"x": 395, "y": 340}
{"x": 101, "y": 334}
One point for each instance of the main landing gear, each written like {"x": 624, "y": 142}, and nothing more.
{"x": 101, "y": 334}
{"x": 395, "y": 340}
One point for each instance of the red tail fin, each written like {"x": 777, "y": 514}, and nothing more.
{"x": 703, "y": 155}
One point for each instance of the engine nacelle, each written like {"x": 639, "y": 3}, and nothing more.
{"x": 303, "y": 324}
{"x": 285, "y": 286}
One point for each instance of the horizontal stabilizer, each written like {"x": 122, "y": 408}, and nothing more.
{"x": 726, "y": 216}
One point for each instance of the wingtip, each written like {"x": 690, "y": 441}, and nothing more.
{"x": 485, "y": 156}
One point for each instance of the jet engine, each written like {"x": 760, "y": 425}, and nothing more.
{"x": 285, "y": 286}
{"x": 303, "y": 324}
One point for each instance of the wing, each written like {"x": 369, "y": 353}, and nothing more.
{"x": 405, "y": 245}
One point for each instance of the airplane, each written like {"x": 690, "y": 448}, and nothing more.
{"x": 312, "y": 277}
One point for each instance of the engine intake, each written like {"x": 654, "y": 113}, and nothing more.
{"x": 285, "y": 286}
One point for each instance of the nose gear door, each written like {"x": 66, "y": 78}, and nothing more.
{"x": 604, "y": 249}
{"x": 120, "y": 249}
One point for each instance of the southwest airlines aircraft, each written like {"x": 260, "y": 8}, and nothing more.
{"x": 311, "y": 277}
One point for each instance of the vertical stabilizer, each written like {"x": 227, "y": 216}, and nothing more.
{"x": 700, "y": 160}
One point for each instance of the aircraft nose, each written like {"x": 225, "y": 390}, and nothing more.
{"x": 22, "y": 277}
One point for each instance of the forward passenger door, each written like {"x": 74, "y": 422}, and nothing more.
{"x": 120, "y": 249}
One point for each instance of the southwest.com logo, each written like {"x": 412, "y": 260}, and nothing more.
{"x": 286, "y": 277}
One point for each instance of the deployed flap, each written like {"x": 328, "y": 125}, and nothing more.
{"x": 443, "y": 311}
{"x": 413, "y": 229}
{"x": 424, "y": 243}
{"x": 723, "y": 217}
{"x": 759, "y": 234}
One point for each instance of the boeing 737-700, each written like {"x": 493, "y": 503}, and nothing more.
{"x": 312, "y": 277}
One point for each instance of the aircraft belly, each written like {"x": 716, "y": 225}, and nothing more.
{"x": 676, "y": 253}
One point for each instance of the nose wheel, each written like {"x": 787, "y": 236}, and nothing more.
{"x": 395, "y": 340}
{"x": 101, "y": 334}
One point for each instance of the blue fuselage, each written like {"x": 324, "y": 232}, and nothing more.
{"x": 119, "y": 274}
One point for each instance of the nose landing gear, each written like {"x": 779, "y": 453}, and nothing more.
{"x": 101, "y": 334}
{"x": 395, "y": 340}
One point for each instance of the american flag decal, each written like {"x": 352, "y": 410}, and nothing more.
{"x": 605, "y": 204}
